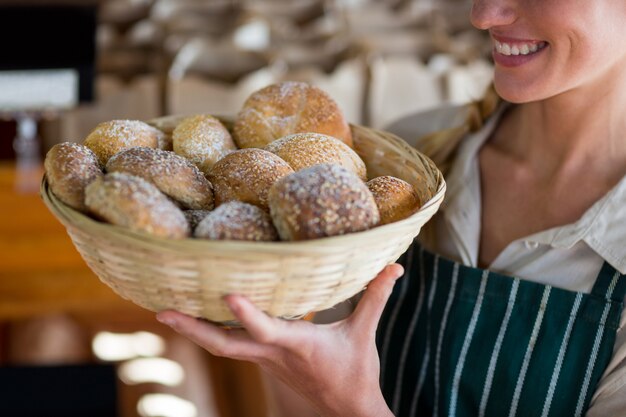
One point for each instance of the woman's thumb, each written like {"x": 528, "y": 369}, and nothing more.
{"x": 372, "y": 303}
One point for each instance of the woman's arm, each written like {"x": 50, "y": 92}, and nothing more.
{"x": 334, "y": 366}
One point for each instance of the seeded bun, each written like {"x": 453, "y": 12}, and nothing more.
{"x": 247, "y": 175}
{"x": 237, "y": 221}
{"x": 114, "y": 136}
{"x": 70, "y": 167}
{"x": 203, "y": 140}
{"x": 396, "y": 199}
{"x": 323, "y": 200}
{"x": 174, "y": 175}
{"x": 303, "y": 150}
{"x": 132, "y": 202}
{"x": 285, "y": 108}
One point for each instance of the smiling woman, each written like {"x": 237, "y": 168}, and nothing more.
{"x": 512, "y": 300}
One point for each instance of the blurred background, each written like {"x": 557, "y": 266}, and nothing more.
{"x": 68, "y": 345}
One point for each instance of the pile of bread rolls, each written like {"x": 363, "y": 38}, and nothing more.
{"x": 285, "y": 171}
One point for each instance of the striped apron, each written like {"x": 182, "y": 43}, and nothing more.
{"x": 462, "y": 341}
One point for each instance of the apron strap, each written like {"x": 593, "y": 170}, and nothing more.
{"x": 610, "y": 284}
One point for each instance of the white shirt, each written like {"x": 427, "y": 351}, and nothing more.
{"x": 568, "y": 257}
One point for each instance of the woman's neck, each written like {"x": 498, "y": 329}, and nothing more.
{"x": 579, "y": 128}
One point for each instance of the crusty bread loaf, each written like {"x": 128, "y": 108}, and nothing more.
{"x": 174, "y": 175}
{"x": 396, "y": 199}
{"x": 247, "y": 175}
{"x": 114, "y": 136}
{"x": 236, "y": 220}
{"x": 132, "y": 202}
{"x": 288, "y": 107}
{"x": 203, "y": 140}
{"x": 303, "y": 150}
{"x": 323, "y": 200}
{"x": 70, "y": 167}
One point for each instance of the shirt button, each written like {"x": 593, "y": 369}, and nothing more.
{"x": 530, "y": 244}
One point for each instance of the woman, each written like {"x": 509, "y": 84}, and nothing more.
{"x": 519, "y": 313}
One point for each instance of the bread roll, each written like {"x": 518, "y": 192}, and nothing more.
{"x": 203, "y": 140}
{"x": 70, "y": 167}
{"x": 289, "y": 107}
{"x": 174, "y": 175}
{"x": 247, "y": 175}
{"x": 114, "y": 136}
{"x": 303, "y": 150}
{"x": 324, "y": 200}
{"x": 129, "y": 201}
{"x": 237, "y": 221}
{"x": 396, "y": 199}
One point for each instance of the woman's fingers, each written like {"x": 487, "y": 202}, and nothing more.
{"x": 367, "y": 313}
{"x": 263, "y": 328}
{"x": 233, "y": 343}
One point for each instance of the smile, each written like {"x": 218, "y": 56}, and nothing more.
{"x": 524, "y": 48}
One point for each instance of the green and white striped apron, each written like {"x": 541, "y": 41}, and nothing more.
{"x": 462, "y": 341}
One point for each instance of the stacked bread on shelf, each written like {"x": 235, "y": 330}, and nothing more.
{"x": 284, "y": 170}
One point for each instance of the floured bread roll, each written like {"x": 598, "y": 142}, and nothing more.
{"x": 237, "y": 221}
{"x": 324, "y": 200}
{"x": 132, "y": 202}
{"x": 303, "y": 150}
{"x": 203, "y": 140}
{"x": 396, "y": 199}
{"x": 288, "y": 107}
{"x": 174, "y": 175}
{"x": 114, "y": 136}
{"x": 247, "y": 175}
{"x": 70, "y": 167}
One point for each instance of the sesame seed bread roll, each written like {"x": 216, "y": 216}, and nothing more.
{"x": 396, "y": 199}
{"x": 203, "y": 140}
{"x": 285, "y": 108}
{"x": 70, "y": 167}
{"x": 303, "y": 150}
{"x": 324, "y": 200}
{"x": 172, "y": 174}
{"x": 247, "y": 175}
{"x": 114, "y": 136}
{"x": 132, "y": 202}
{"x": 237, "y": 221}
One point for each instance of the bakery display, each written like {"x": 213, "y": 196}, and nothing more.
{"x": 323, "y": 200}
{"x": 237, "y": 221}
{"x": 396, "y": 199}
{"x": 174, "y": 175}
{"x": 303, "y": 150}
{"x": 70, "y": 167}
{"x": 246, "y": 175}
{"x": 285, "y": 108}
{"x": 109, "y": 138}
{"x": 132, "y": 202}
{"x": 203, "y": 140}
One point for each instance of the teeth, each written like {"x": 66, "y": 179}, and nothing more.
{"x": 518, "y": 49}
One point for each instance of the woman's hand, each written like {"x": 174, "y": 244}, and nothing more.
{"x": 334, "y": 366}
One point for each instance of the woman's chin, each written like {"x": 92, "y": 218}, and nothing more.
{"x": 515, "y": 91}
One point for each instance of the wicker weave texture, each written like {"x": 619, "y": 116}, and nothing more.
{"x": 285, "y": 279}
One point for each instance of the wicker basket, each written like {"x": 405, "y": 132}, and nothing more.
{"x": 285, "y": 279}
